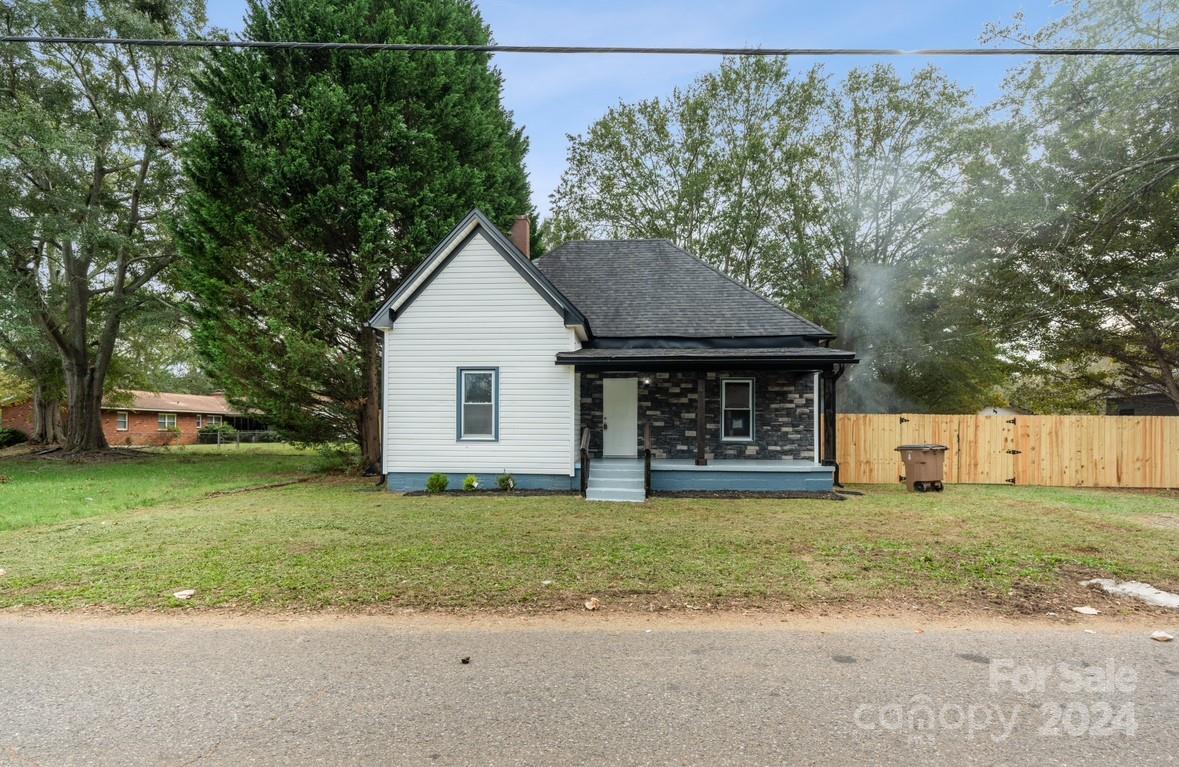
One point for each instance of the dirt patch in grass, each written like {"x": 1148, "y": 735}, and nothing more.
{"x": 256, "y": 488}
{"x": 108, "y": 455}
{"x": 733, "y": 494}
{"x": 14, "y": 451}
{"x": 1170, "y": 492}
{"x": 1160, "y": 521}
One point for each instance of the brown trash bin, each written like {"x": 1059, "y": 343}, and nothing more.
{"x": 924, "y": 466}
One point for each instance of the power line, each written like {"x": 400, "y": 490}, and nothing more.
{"x": 583, "y": 49}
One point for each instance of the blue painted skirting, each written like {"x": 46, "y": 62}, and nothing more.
{"x": 404, "y": 481}
{"x": 818, "y": 481}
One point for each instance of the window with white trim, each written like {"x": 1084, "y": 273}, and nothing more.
{"x": 121, "y": 420}
{"x": 737, "y": 409}
{"x": 478, "y": 395}
{"x": 211, "y": 420}
{"x": 166, "y": 421}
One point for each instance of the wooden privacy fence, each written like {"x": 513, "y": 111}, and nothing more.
{"x": 1056, "y": 450}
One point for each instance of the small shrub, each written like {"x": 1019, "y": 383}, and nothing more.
{"x": 168, "y": 436}
{"x": 337, "y": 458}
{"x": 224, "y": 429}
{"x": 506, "y": 482}
{"x": 437, "y": 483}
{"x": 10, "y": 437}
{"x": 471, "y": 483}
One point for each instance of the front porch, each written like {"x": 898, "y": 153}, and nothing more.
{"x": 752, "y": 429}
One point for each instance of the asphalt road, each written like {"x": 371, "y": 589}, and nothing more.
{"x": 371, "y": 691}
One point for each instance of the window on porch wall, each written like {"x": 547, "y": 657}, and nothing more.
{"x": 737, "y": 409}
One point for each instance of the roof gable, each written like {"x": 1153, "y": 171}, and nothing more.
{"x": 472, "y": 224}
{"x": 654, "y": 289}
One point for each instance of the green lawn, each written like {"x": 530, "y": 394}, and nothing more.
{"x": 42, "y": 491}
{"x": 337, "y": 542}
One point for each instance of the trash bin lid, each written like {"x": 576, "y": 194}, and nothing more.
{"x": 932, "y": 447}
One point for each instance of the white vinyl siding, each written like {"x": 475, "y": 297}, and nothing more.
{"x": 479, "y": 313}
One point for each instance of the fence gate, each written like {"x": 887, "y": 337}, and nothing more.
{"x": 981, "y": 449}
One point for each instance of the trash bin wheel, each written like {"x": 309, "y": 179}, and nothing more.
{"x": 938, "y": 486}
{"x": 919, "y": 487}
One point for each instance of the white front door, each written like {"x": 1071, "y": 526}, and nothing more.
{"x": 620, "y": 410}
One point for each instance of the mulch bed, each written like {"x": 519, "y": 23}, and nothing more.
{"x": 491, "y": 491}
{"x": 718, "y": 494}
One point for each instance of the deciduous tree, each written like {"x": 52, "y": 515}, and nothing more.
{"x": 1074, "y": 209}
{"x": 89, "y": 178}
{"x": 827, "y": 197}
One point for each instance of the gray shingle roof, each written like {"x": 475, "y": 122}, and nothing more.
{"x": 629, "y": 288}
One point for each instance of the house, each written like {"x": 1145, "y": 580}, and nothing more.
{"x": 616, "y": 367}
{"x": 1007, "y": 411}
{"x": 1141, "y": 404}
{"x": 16, "y": 412}
{"x": 150, "y": 418}
{"x": 166, "y": 418}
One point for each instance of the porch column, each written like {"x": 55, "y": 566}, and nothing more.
{"x": 829, "y": 377}
{"x": 701, "y": 460}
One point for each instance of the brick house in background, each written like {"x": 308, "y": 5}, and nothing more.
{"x": 150, "y": 418}
{"x": 17, "y": 414}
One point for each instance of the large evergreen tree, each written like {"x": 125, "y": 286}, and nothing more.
{"x": 319, "y": 180}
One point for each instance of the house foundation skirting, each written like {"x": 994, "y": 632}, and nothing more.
{"x": 665, "y": 475}
{"x": 408, "y": 481}
{"x": 818, "y": 481}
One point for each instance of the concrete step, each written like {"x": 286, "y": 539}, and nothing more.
{"x": 594, "y": 476}
{"x": 628, "y": 495}
{"x": 616, "y": 468}
{"x": 620, "y": 482}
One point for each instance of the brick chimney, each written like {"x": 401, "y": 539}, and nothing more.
{"x": 522, "y": 234}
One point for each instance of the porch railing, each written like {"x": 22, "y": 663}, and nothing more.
{"x": 585, "y": 460}
{"x": 647, "y": 457}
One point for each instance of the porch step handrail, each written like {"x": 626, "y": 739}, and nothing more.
{"x": 585, "y": 460}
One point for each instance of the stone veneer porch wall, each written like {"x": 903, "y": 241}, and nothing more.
{"x": 783, "y": 413}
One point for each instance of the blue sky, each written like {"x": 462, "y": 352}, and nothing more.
{"x": 553, "y": 96}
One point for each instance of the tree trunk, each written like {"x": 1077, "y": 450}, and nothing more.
{"x": 47, "y": 426}
{"x": 84, "y": 421}
{"x": 370, "y": 413}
